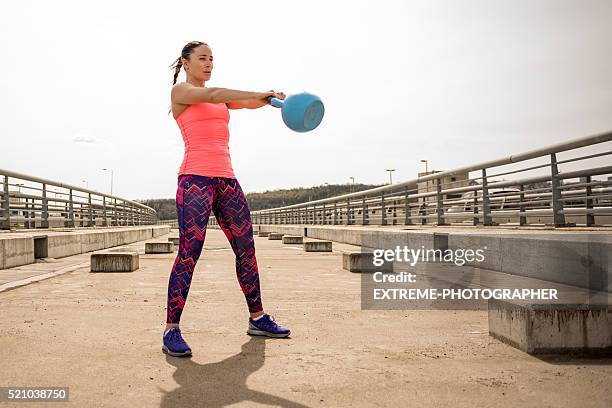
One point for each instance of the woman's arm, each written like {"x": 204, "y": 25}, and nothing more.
{"x": 253, "y": 103}
{"x": 187, "y": 94}
{"x": 247, "y": 104}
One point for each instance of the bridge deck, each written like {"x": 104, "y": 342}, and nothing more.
{"x": 100, "y": 334}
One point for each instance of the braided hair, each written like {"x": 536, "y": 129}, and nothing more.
{"x": 185, "y": 53}
{"x": 178, "y": 63}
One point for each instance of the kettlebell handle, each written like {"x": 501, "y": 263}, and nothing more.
{"x": 275, "y": 102}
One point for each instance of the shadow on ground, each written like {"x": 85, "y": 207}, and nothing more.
{"x": 222, "y": 383}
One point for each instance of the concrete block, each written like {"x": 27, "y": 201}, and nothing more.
{"x": 552, "y": 328}
{"x": 62, "y": 245}
{"x": 293, "y": 239}
{"x": 112, "y": 239}
{"x": 317, "y": 246}
{"x": 174, "y": 240}
{"x": 131, "y": 235}
{"x": 363, "y": 262}
{"x": 159, "y": 247}
{"x": 92, "y": 241}
{"x": 275, "y": 236}
{"x": 144, "y": 234}
{"x": 159, "y": 230}
{"x": 114, "y": 261}
{"x": 16, "y": 252}
{"x": 491, "y": 246}
{"x": 263, "y": 233}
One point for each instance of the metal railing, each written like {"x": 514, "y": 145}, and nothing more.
{"x": 491, "y": 193}
{"x": 34, "y": 202}
{"x": 171, "y": 223}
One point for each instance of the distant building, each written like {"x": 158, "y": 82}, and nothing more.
{"x": 454, "y": 181}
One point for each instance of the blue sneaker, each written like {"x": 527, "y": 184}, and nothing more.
{"x": 266, "y": 326}
{"x": 174, "y": 343}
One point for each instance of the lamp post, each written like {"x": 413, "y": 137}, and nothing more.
{"x": 390, "y": 175}
{"x": 353, "y": 185}
{"x": 86, "y": 183}
{"x": 425, "y": 161}
{"x": 112, "y": 176}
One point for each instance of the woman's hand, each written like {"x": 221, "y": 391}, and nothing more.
{"x": 263, "y": 99}
{"x": 278, "y": 95}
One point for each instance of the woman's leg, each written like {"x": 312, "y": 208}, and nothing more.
{"x": 194, "y": 198}
{"x": 234, "y": 217}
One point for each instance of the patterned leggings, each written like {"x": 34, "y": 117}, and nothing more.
{"x": 196, "y": 196}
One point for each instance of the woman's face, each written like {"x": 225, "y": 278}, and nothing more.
{"x": 200, "y": 63}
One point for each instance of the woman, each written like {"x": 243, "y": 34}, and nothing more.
{"x": 206, "y": 182}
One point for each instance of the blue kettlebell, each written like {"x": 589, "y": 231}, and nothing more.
{"x": 301, "y": 112}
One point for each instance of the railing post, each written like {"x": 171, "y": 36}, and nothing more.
{"x": 423, "y": 211}
{"x": 45, "y": 208}
{"x": 26, "y": 214}
{"x": 131, "y": 207}
{"x": 104, "y": 221}
{"x": 439, "y": 203}
{"x": 486, "y": 204}
{"x": 383, "y": 209}
{"x": 90, "y": 210}
{"x": 115, "y": 212}
{"x": 475, "y": 210}
{"x": 557, "y": 204}
{"x": 348, "y": 211}
{"x": 323, "y": 215}
{"x": 6, "y": 205}
{"x": 590, "y": 218}
{"x": 522, "y": 217}
{"x": 364, "y": 211}
{"x": 335, "y": 214}
{"x": 394, "y": 212}
{"x": 70, "y": 210}
{"x": 407, "y": 219}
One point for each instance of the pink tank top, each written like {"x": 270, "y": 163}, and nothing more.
{"x": 205, "y": 131}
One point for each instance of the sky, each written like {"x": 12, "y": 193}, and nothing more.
{"x": 86, "y": 86}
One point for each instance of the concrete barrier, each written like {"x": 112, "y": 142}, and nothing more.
{"x": 159, "y": 230}
{"x": 264, "y": 233}
{"x": 363, "y": 262}
{"x": 317, "y": 246}
{"x": 552, "y": 328}
{"x": 283, "y": 229}
{"x": 579, "y": 258}
{"x": 93, "y": 241}
{"x": 62, "y": 245}
{"x": 174, "y": 240}
{"x": 275, "y": 236}
{"x": 16, "y": 251}
{"x": 54, "y": 243}
{"x": 159, "y": 247}
{"x": 114, "y": 262}
{"x": 293, "y": 239}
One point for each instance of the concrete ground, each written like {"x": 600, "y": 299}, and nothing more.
{"x": 100, "y": 335}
